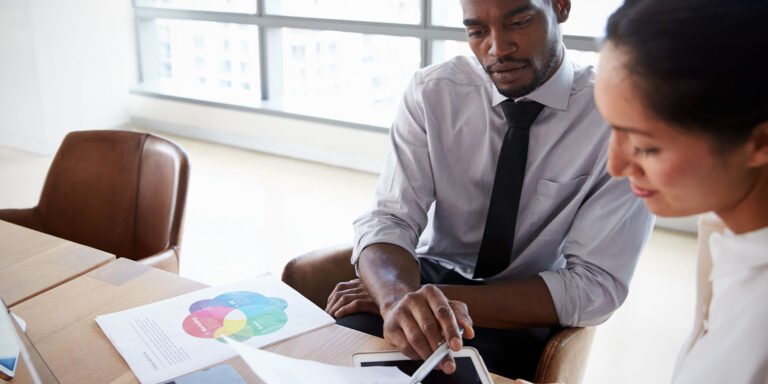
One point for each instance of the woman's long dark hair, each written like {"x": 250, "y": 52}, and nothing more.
{"x": 700, "y": 64}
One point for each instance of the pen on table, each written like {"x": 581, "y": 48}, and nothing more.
{"x": 431, "y": 362}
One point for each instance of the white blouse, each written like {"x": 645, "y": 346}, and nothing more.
{"x": 729, "y": 342}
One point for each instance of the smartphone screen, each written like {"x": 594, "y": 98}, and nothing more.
{"x": 465, "y": 371}
{"x": 9, "y": 345}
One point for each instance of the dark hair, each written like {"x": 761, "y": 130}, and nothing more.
{"x": 698, "y": 63}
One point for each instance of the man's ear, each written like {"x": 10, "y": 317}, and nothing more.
{"x": 562, "y": 9}
{"x": 758, "y": 146}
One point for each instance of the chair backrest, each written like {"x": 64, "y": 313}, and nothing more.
{"x": 119, "y": 191}
{"x": 565, "y": 356}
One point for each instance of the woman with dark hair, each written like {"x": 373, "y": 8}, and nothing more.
{"x": 684, "y": 86}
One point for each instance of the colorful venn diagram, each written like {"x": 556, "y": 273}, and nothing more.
{"x": 239, "y": 315}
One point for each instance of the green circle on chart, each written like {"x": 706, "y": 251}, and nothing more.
{"x": 268, "y": 320}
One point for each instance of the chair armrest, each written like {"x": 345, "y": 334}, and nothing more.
{"x": 315, "y": 274}
{"x": 167, "y": 260}
{"x": 564, "y": 359}
{"x": 26, "y": 217}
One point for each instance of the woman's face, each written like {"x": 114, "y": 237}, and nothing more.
{"x": 675, "y": 172}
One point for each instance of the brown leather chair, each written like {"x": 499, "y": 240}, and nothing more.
{"x": 315, "y": 274}
{"x": 565, "y": 356}
{"x": 118, "y": 191}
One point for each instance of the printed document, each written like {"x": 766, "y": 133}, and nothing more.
{"x": 273, "y": 368}
{"x": 169, "y": 338}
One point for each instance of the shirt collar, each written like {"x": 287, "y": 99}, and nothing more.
{"x": 733, "y": 253}
{"x": 554, "y": 93}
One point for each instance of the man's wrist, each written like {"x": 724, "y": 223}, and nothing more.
{"x": 385, "y": 307}
{"x": 392, "y": 299}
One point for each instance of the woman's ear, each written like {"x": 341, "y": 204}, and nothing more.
{"x": 757, "y": 145}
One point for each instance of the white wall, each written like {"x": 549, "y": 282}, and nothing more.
{"x": 314, "y": 141}
{"x": 64, "y": 66}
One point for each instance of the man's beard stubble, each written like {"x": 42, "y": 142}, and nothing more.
{"x": 539, "y": 76}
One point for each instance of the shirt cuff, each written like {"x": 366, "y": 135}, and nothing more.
{"x": 567, "y": 305}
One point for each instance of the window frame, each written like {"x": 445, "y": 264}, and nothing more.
{"x": 425, "y": 31}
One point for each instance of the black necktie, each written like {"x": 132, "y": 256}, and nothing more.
{"x": 498, "y": 237}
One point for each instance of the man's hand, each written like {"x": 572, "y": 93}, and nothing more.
{"x": 350, "y": 297}
{"x": 416, "y": 318}
{"x": 418, "y": 322}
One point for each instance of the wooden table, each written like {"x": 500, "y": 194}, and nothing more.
{"x": 32, "y": 262}
{"x": 61, "y": 325}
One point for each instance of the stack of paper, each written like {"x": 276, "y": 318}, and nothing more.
{"x": 169, "y": 338}
{"x": 276, "y": 369}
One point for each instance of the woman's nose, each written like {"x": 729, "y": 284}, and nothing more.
{"x": 620, "y": 163}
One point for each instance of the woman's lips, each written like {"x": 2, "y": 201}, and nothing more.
{"x": 642, "y": 192}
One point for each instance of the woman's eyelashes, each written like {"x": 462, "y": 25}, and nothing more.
{"x": 645, "y": 151}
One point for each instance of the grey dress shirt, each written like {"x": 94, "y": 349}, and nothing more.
{"x": 577, "y": 228}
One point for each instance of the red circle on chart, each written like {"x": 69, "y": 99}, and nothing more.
{"x": 205, "y": 322}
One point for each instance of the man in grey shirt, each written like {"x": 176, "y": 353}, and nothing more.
{"x": 578, "y": 233}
